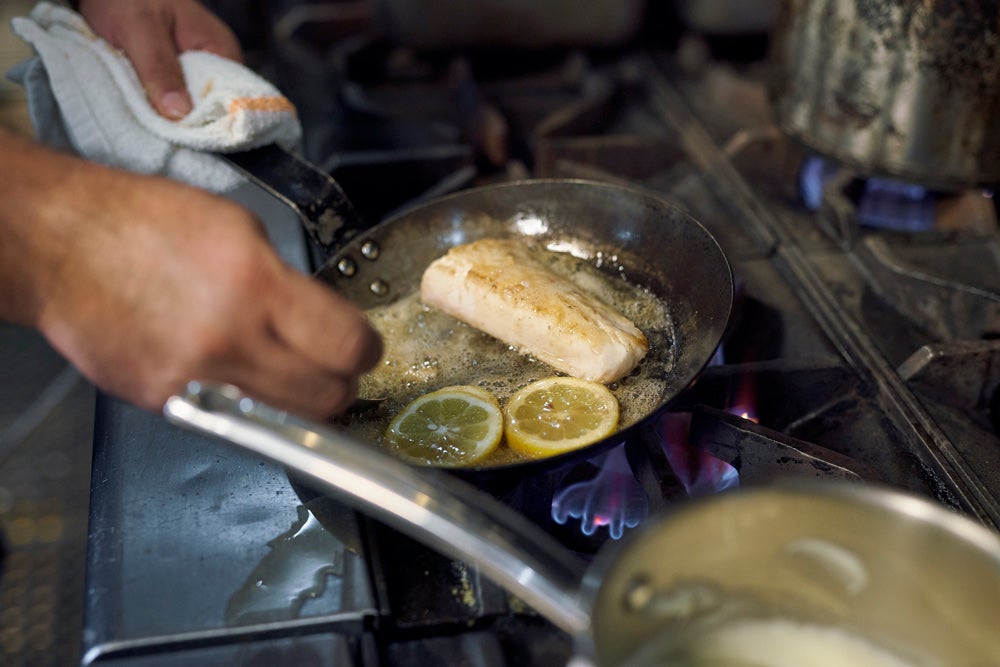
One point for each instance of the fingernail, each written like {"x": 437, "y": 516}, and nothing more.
{"x": 175, "y": 104}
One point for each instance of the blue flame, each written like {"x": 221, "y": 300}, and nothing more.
{"x": 884, "y": 203}
{"x": 613, "y": 498}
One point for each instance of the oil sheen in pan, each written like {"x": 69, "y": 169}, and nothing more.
{"x": 426, "y": 349}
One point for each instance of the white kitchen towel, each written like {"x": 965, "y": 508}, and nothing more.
{"x": 85, "y": 93}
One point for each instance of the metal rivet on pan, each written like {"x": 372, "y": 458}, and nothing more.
{"x": 370, "y": 250}
{"x": 379, "y": 287}
{"x": 347, "y": 267}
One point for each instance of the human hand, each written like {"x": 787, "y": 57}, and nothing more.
{"x": 152, "y": 34}
{"x": 145, "y": 284}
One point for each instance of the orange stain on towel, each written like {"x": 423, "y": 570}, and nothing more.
{"x": 272, "y": 104}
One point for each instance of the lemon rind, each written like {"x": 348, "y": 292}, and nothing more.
{"x": 537, "y": 448}
{"x": 477, "y": 396}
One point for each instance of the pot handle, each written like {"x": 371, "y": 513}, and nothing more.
{"x": 431, "y": 506}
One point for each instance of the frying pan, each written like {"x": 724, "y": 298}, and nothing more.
{"x": 886, "y": 567}
{"x": 629, "y": 232}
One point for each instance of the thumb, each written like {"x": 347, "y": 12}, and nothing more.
{"x": 154, "y": 57}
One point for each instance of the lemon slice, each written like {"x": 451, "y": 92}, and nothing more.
{"x": 559, "y": 414}
{"x": 450, "y": 427}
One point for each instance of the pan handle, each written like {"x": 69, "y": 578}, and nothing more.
{"x": 326, "y": 213}
{"x": 432, "y": 506}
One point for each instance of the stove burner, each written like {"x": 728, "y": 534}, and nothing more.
{"x": 881, "y": 203}
{"x": 847, "y": 201}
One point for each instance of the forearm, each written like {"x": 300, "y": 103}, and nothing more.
{"x": 40, "y": 194}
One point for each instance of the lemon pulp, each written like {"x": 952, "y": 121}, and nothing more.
{"x": 559, "y": 414}
{"x": 451, "y": 427}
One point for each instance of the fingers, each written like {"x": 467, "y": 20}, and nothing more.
{"x": 278, "y": 334}
{"x": 289, "y": 340}
{"x": 154, "y": 56}
{"x": 203, "y": 31}
{"x": 152, "y": 34}
{"x": 327, "y": 328}
{"x": 319, "y": 345}
{"x": 286, "y": 380}
{"x": 315, "y": 382}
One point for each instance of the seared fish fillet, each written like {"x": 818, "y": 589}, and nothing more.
{"x": 496, "y": 286}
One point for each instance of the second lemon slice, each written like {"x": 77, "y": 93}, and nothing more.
{"x": 450, "y": 427}
{"x": 559, "y": 414}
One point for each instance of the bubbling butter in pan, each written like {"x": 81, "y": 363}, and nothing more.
{"x": 426, "y": 349}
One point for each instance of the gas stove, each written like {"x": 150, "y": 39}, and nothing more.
{"x": 861, "y": 348}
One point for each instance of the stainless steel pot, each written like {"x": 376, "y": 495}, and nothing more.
{"x": 904, "y": 89}
{"x": 844, "y": 572}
